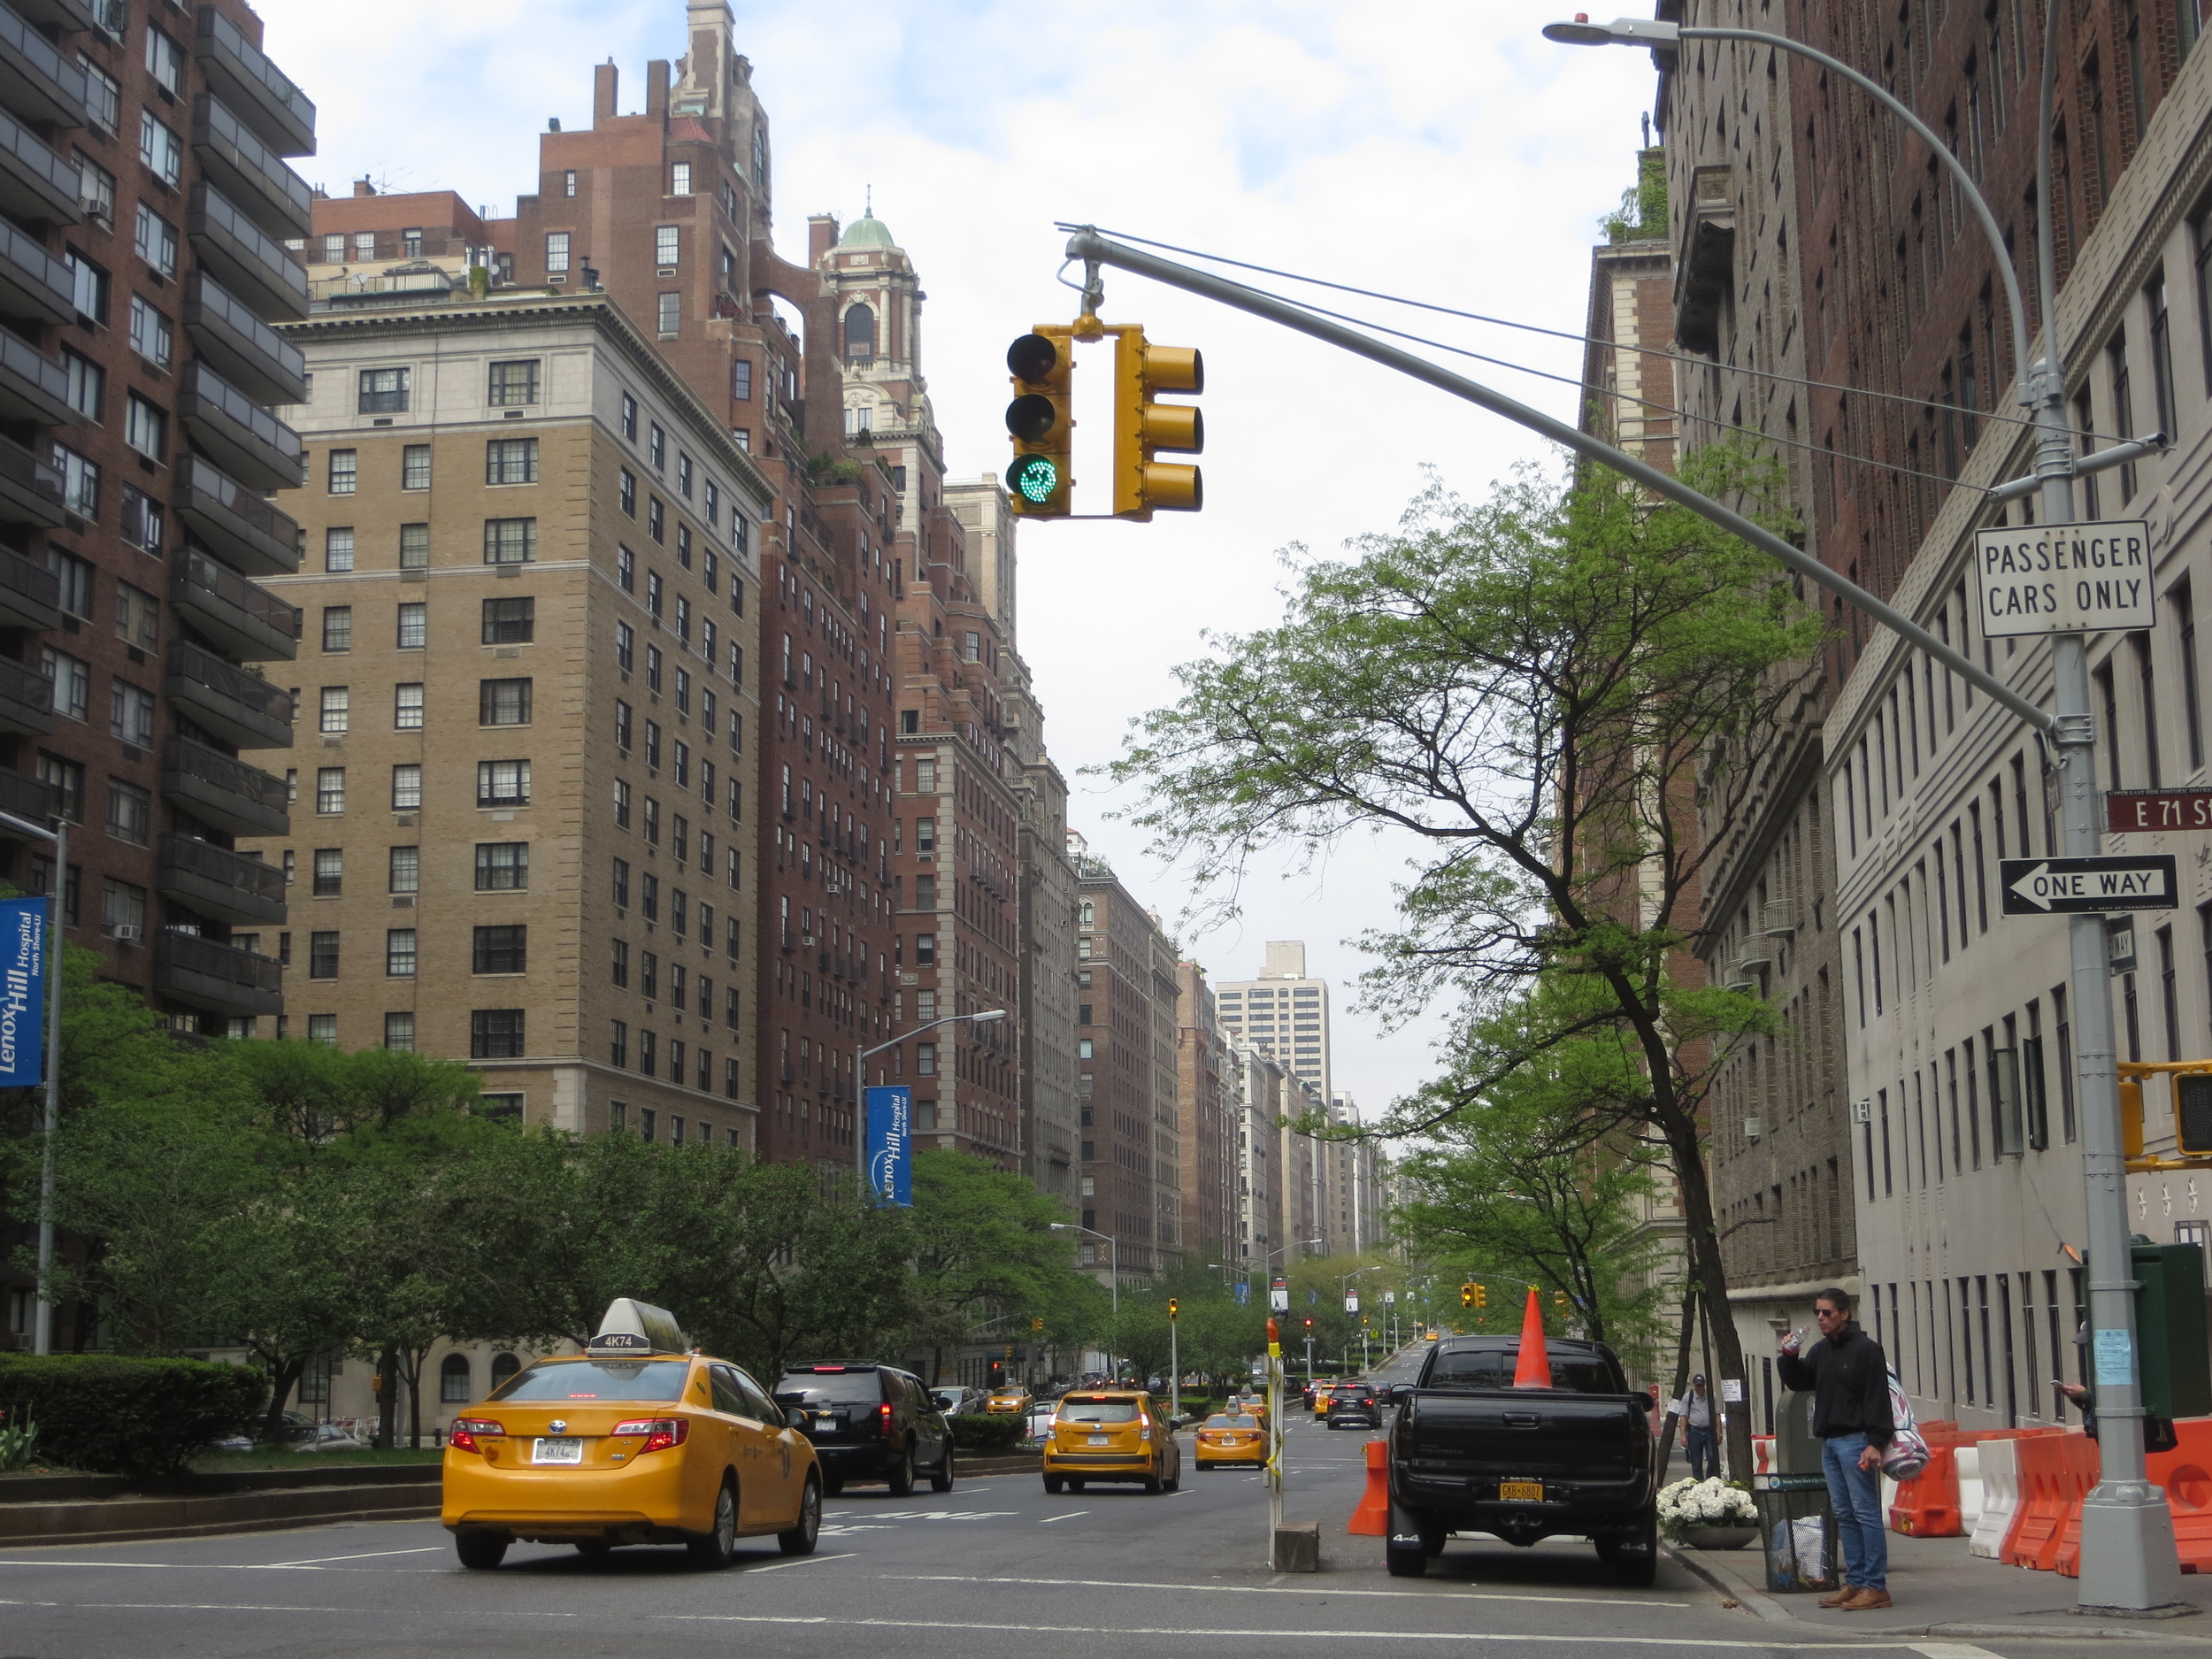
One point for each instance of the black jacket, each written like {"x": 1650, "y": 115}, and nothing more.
{"x": 1849, "y": 1379}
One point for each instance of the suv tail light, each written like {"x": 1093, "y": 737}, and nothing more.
{"x": 464, "y": 1433}
{"x": 883, "y": 1419}
{"x": 660, "y": 1434}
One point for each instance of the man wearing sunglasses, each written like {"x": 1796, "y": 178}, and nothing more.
{"x": 1849, "y": 1376}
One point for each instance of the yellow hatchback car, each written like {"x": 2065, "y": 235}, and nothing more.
{"x": 1227, "y": 1438}
{"x": 1009, "y": 1402}
{"x": 1114, "y": 1434}
{"x": 638, "y": 1441}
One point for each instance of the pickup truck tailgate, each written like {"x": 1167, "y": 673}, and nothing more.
{"x": 1524, "y": 1435}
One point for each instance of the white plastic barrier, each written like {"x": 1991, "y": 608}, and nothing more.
{"x": 2001, "y": 1497}
{"x": 1968, "y": 1459}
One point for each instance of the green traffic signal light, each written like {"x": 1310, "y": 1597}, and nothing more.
{"x": 1038, "y": 421}
{"x": 1034, "y": 478}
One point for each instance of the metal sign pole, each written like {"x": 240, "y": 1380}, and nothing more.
{"x": 42, "y": 1314}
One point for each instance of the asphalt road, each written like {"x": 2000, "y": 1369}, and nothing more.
{"x": 994, "y": 1567}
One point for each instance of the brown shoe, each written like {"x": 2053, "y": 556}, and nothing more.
{"x": 1868, "y": 1601}
{"x": 1840, "y": 1597}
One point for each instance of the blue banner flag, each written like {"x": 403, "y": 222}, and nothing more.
{"x": 1244, "y": 1293}
{"x": 891, "y": 1144}
{"x": 22, "y": 992}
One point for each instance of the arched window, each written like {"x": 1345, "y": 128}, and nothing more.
{"x": 456, "y": 1384}
{"x": 860, "y": 334}
{"x": 1090, "y": 914}
{"x": 503, "y": 1366}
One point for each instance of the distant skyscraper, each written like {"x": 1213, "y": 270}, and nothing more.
{"x": 1283, "y": 1013}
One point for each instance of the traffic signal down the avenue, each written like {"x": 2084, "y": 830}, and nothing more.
{"x": 1040, "y": 422}
{"x": 1143, "y": 428}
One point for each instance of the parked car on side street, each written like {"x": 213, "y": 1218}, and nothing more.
{"x": 329, "y": 1437}
{"x": 869, "y": 1422}
{"x": 959, "y": 1401}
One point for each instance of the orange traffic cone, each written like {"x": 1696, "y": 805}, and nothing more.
{"x": 1532, "y": 1369}
{"x": 1371, "y": 1519}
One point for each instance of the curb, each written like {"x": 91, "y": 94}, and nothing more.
{"x": 204, "y": 1517}
{"x": 1763, "y": 1606}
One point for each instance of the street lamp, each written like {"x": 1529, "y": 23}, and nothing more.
{"x": 1113, "y": 1271}
{"x": 2127, "y": 1557}
{"x": 860, "y": 1082}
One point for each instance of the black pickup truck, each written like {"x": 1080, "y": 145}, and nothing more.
{"x": 1471, "y": 1453}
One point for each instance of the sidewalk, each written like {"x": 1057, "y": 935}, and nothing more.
{"x": 1942, "y": 1591}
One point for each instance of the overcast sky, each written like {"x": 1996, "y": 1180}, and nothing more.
{"x": 1443, "y": 151}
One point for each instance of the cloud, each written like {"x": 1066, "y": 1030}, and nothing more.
{"x": 1440, "y": 151}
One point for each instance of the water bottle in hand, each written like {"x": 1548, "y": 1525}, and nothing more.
{"x": 1793, "y": 1342}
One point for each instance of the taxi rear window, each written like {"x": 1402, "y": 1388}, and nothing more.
{"x": 1098, "y": 1411}
{"x": 1223, "y": 1420}
{"x": 647, "y": 1380}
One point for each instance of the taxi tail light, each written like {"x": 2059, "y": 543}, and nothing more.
{"x": 464, "y": 1432}
{"x": 660, "y": 1432}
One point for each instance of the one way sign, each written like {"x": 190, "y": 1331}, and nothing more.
{"x": 2038, "y": 887}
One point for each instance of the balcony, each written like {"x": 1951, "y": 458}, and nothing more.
{"x": 249, "y": 172}
{"x": 37, "y": 81}
{"x": 236, "y": 523}
{"x": 33, "y": 386}
{"x": 238, "y": 707}
{"x": 27, "y": 700}
{"x": 221, "y": 791}
{"x": 217, "y": 882}
{"x": 34, "y": 183}
{"x": 30, "y": 490}
{"x": 247, "y": 263}
{"x": 30, "y": 594}
{"x": 263, "y": 96}
{"x": 245, "y": 440}
{"x": 240, "y": 618}
{"x": 34, "y": 285}
{"x": 220, "y": 978}
{"x": 245, "y": 350}
{"x": 62, "y": 14}
{"x": 24, "y": 798}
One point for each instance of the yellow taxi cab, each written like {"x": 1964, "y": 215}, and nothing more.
{"x": 1252, "y": 1405}
{"x": 639, "y": 1440}
{"x": 1112, "y": 1434}
{"x": 1321, "y": 1391}
{"x": 1232, "y": 1437}
{"x": 1008, "y": 1402}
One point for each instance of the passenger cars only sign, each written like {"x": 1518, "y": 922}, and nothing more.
{"x": 2053, "y": 579}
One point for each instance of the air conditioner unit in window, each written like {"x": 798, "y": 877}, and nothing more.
{"x": 123, "y": 933}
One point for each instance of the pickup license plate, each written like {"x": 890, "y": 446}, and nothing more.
{"x": 1520, "y": 1491}
{"x": 569, "y": 1451}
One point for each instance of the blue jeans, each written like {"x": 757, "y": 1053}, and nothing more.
{"x": 1704, "y": 1461}
{"x": 1856, "y": 1494}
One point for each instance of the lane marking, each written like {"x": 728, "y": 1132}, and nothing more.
{"x": 1257, "y": 1589}
{"x": 1951, "y": 1650}
{"x": 317, "y": 1561}
{"x": 804, "y": 1561}
{"x": 1068, "y": 1516}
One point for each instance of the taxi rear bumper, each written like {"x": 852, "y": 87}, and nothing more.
{"x": 636, "y": 1503}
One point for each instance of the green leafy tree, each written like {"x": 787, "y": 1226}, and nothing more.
{"x": 1529, "y": 693}
{"x": 984, "y": 1252}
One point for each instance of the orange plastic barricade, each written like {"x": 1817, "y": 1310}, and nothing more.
{"x": 1371, "y": 1519}
{"x": 2186, "y": 1474}
{"x": 1762, "y": 1454}
{"x": 2082, "y": 1466}
{"x": 2048, "y": 1470}
{"x": 1927, "y": 1506}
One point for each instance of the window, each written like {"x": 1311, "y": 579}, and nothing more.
{"x": 160, "y": 149}
{"x": 2161, "y": 354}
{"x": 344, "y": 469}
{"x": 494, "y": 1033}
{"x": 625, "y": 571}
{"x": 322, "y": 1028}
{"x": 653, "y": 589}
{"x": 622, "y": 884}
{"x": 87, "y": 287}
{"x": 96, "y": 190}
{"x": 330, "y": 872}
{"x": 683, "y": 483}
{"x": 87, "y": 383}
{"x": 618, "y": 1054}
{"x": 338, "y": 547}
{"x": 399, "y": 1037}
{"x": 503, "y": 702}
{"x": 383, "y": 391}
{"x": 337, "y": 628}
{"x": 621, "y": 804}
{"x": 626, "y": 492}
{"x": 622, "y": 725}
{"x": 509, "y": 621}
{"x": 333, "y": 248}
{"x": 568, "y": 188}
{"x": 502, "y": 950}
{"x": 672, "y": 313}
{"x": 414, "y": 627}
{"x": 510, "y": 461}
{"x": 364, "y": 244}
{"x": 71, "y": 681}
{"x": 457, "y": 1386}
{"x": 140, "y": 521}
{"x": 629, "y": 416}
{"x": 104, "y": 96}
{"x": 137, "y": 615}
{"x": 741, "y": 381}
{"x": 74, "y": 576}
{"x": 503, "y": 867}
{"x": 155, "y": 238}
{"x": 145, "y": 428}
{"x": 165, "y": 59}
{"x": 514, "y": 385}
{"x": 152, "y": 337}
{"x": 624, "y": 646}
{"x": 510, "y": 540}
{"x": 403, "y": 870}
{"x": 407, "y": 706}
{"x": 925, "y": 950}
{"x": 414, "y": 547}
{"x": 410, "y": 242}
{"x": 860, "y": 334}
{"x": 130, "y": 812}
{"x": 80, "y": 482}
{"x": 131, "y": 715}
{"x": 330, "y": 790}
{"x": 656, "y": 518}
{"x": 556, "y": 247}
{"x": 414, "y": 466}
{"x": 66, "y": 778}
{"x": 336, "y": 700}
{"x": 656, "y": 446}
{"x": 679, "y": 179}
{"x": 503, "y": 783}
{"x": 667, "y": 244}
{"x": 322, "y": 954}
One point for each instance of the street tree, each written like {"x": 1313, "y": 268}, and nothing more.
{"x": 984, "y": 1252}
{"x": 1525, "y": 692}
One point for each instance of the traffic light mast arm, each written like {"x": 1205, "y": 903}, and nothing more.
{"x": 1088, "y": 245}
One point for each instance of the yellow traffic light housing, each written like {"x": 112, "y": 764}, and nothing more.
{"x": 1467, "y": 1295}
{"x": 1173, "y": 1307}
{"x": 1482, "y": 1296}
{"x": 1143, "y": 428}
{"x": 2193, "y": 1114}
{"x": 1040, "y": 421}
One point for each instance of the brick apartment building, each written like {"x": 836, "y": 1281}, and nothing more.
{"x": 1203, "y": 1094}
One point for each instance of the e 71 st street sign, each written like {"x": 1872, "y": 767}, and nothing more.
{"x": 2131, "y": 811}
{"x": 2058, "y": 579}
{"x": 2125, "y": 882}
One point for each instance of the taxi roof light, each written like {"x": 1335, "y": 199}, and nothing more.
{"x": 634, "y": 1327}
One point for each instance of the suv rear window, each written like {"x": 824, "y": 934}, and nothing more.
{"x": 1493, "y": 1367}
{"x": 845, "y": 1387}
{"x": 650, "y": 1380}
{"x": 1098, "y": 1411}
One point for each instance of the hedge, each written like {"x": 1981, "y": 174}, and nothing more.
{"x": 140, "y": 1417}
{"x": 979, "y": 1433}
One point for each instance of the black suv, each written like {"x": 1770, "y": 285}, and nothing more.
{"x": 1353, "y": 1405}
{"x": 869, "y": 1422}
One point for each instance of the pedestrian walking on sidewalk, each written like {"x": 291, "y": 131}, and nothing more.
{"x": 1695, "y": 1409}
{"x": 1849, "y": 1376}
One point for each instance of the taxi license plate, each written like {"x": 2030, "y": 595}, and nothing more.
{"x": 1520, "y": 1491}
{"x": 1100, "y": 1440}
{"x": 556, "y": 1452}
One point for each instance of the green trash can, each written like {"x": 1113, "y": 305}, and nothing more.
{"x": 1797, "y": 1532}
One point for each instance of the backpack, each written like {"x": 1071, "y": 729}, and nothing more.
{"x": 1907, "y": 1452}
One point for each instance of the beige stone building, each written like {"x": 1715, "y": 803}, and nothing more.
{"x": 522, "y": 831}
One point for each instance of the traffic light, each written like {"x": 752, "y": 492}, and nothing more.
{"x": 1143, "y": 428}
{"x": 2193, "y": 1113}
{"x": 1467, "y": 1295}
{"x": 1040, "y": 422}
{"x": 1559, "y": 1302}
{"x": 1309, "y": 1322}
{"x": 1173, "y": 1307}
{"x": 1482, "y": 1296}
